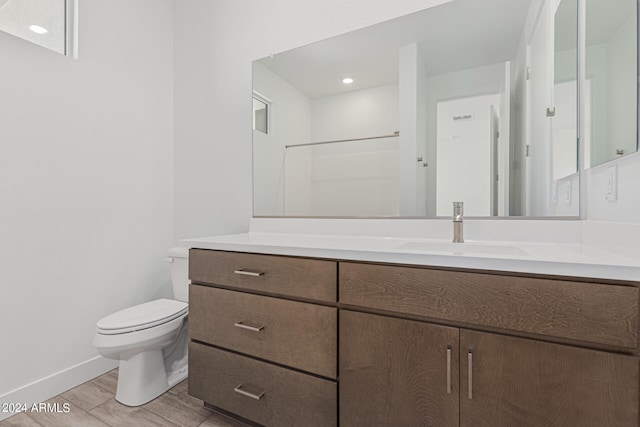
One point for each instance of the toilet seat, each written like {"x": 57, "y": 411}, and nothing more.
{"x": 143, "y": 316}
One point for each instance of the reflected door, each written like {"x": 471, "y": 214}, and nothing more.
{"x": 466, "y": 150}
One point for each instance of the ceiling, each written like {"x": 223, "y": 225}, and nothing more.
{"x": 458, "y": 35}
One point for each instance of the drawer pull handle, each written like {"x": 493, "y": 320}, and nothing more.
{"x": 249, "y": 273}
{"x": 248, "y": 327}
{"x": 449, "y": 369}
{"x": 470, "y": 374}
{"x": 248, "y": 394}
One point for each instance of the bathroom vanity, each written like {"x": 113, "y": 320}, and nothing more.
{"x": 282, "y": 337}
{"x": 306, "y": 325}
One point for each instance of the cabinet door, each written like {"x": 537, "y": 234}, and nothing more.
{"x": 396, "y": 372}
{"x": 506, "y": 381}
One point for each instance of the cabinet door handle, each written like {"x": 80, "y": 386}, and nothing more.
{"x": 470, "y": 374}
{"x": 241, "y": 325}
{"x": 244, "y": 272}
{"x": 449, "y": 369}
{"x": 239, "y": 389}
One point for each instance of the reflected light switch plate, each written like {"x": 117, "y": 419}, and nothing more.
{"x": 611, "y": 191}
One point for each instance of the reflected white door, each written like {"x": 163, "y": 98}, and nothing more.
{"x": 465, "y": 155}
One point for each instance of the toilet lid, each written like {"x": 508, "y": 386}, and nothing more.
{"x": 142, "y": 316}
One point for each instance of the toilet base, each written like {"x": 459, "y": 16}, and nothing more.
{"x": 142, "y": 378}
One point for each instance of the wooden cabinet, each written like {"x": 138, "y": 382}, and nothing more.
{"x": 500, "y": 380}
{"x": 582, "y": 311}
{"x": 311, "y": 279}
{"x": 258, "y": 391}
{"x": 261, "y": 347}
{"x": 396, "y": 372}
{"x": 288, "y": 341}
{"x": 291, "y": 333}
{"x": 507, "y": 381}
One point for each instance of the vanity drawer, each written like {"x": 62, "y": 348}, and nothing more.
{"x": 291, "y": 333}
{"x": 295, "y": 277}
{"x": 589, "y": 312}
{"x": 289, "y": 398}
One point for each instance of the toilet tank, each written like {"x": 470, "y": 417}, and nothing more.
{"x": 179, "y": 258}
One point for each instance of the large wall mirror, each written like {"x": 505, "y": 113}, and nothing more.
{"x": 471, "y": 100}
{"x": 46, "y": 23}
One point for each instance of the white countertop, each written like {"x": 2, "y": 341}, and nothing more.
{"x": 566, "y": 259}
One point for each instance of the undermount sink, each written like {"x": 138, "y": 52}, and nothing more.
{"x": 462, "y": 248}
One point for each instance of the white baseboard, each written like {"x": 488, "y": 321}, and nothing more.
{"x": 55, "y": 384}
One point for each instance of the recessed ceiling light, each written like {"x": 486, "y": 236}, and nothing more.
{"x": 38, "y": 29}
{"x": 347, "y": 80}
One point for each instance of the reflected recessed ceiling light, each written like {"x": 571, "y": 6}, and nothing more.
{"x": 38, "y": 29}
{"x": 347, "y": 80}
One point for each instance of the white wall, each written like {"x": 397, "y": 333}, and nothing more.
{"x": 538, "y": 169}
{"x": 627, "y": 207}
{"x": 517, "y": 145}
{"x": 413, "y": 131}
{"x": 215, "y": 44}
{"x": 356, "y": 114}
{"x": 289, "y": 123}
{"x": 565, "y": 196}
{"x": 297, "y": 181}
{"x": 422, "y": 141}
{"x": 361, "y": 181}
{"x": 357, "y": 178}
{"x": 86, "y": 184}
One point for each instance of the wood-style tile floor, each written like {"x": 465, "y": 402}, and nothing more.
{"x": 93, "y": 404}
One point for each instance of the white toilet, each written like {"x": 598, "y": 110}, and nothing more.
{"x": 150, "y": 340}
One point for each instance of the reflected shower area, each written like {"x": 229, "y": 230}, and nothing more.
{"x": 334, "y": 178}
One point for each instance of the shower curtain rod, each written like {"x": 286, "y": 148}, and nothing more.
{"x": 396, "y": 133}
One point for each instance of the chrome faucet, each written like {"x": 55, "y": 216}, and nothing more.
{"x": 458, "y": 211}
